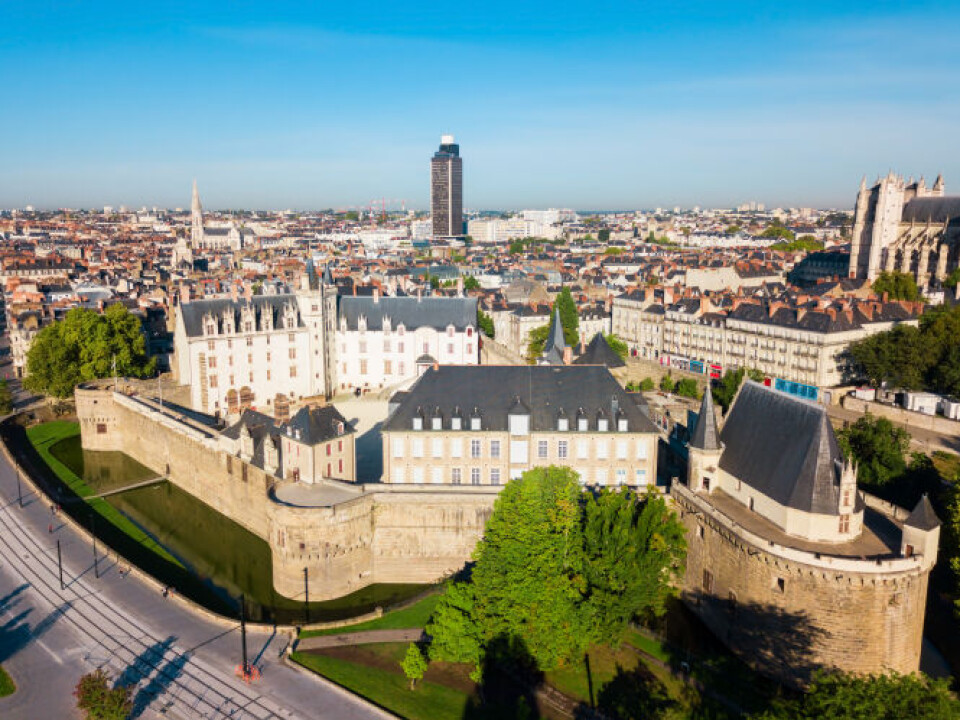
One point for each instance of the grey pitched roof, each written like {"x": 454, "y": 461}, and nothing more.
{"x": 435, "y": 312}
{"x": 599, "y": 352}
{"x": 193, "y": 312}
{"x": 318, "y": 424}
{"x": 783, "y": 447}
{"x": 263, "y": 429}
{"x": 705, "y": 433}
{"x": 932, "y": 209}
{"x": 923, "y": 516}
{"x": 555, "y": 345}
{"x": 492, "y": 391}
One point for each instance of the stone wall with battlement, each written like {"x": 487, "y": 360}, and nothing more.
{"x": 384, "y": 535}
{"x": 788, "y": 611}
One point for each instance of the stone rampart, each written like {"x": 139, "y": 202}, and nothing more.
{"x": 788, "y": 612}
{"x": 381, "y": 536}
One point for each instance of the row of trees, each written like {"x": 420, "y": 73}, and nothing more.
{"x": 84, "y": 346}
{"x": 558, "y": 570}
{"x": 914, "y": 358}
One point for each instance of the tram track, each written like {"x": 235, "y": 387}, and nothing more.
{"x": 177, "y": 676}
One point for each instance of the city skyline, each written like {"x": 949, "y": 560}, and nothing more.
{"x": 601, "y": 107}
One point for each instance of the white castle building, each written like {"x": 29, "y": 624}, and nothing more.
{"x": 268, "y": 351}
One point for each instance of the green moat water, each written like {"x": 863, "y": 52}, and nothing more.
{"x": 226, "y": 557}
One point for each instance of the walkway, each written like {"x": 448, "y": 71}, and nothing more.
{"x": 116, "y": 491}
{"x": 364, "y": 637}
{"x": 178, "y": 662}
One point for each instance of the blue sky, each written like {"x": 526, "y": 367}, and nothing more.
{"x": 588, "y": 105}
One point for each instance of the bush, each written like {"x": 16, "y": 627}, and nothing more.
{"x": 98, "y": 701}
{"x": 666, "y": 383}
{"x": 687, "y": 387}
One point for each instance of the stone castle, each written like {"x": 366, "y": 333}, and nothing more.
{"x": 788, "y": 563}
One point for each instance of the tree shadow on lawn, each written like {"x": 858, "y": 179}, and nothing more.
{"x": 510, "y": 683}
{"x": 632, "y": 694}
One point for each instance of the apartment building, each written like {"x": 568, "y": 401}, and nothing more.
{"x": 800, "y": 348}
{"x": 484, "y": 425}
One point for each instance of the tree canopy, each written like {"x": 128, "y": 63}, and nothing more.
{"x": 558, "y": 570}
{"x": 725, "y": 390}
{"x": 804, "y": 243}
{"x": 838, "y": 696}
{"x": 879, "y": 448}
{"x": 83, "y": 347}
{"x": 926, "y": 358}
{"x": 569, "y": 317}
{"x": 898, "y": 286}
{"x": 485, "y": 323}
{"x": 777, "y": 230}
{"x": 617, "y": 345}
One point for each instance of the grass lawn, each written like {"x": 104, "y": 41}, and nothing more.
{"x": 42, "y": 437}
{"x": 415, "y": 616}
{"x": 647, "y": 645}
{"x": 947, "y": 464}
{"x": 389, "y": 690}
{"x": 6, "y": 684}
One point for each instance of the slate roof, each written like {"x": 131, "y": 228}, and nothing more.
{"x": 262, "y": 428}
{"x": 319, "y": 424}
{"x": 932, "y": 209}
{"x": 705, "y": 433}
{"x": 599, "y": 352}
{"x": 923, "y": 516}
{"x": 412, "y": 312}
{"x": 783, "y": 447}
{"x": 547, "y": 390}
{"x": 554, "y": 347}
{"x": 193, "y": 312}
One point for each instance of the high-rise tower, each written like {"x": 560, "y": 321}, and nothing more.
{"x": 446, "y": 189}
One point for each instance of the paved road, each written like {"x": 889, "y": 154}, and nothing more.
{"x": 364, "y": 637}
{"x": 179, "y": 664}
{"x": 920, "y": 439}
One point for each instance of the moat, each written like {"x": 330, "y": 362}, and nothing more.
{"x": 226, "y": 559}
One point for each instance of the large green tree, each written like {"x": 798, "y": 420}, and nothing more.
{"x": 528, "y": 577}
{"x": 84, "y": 346}
{"x": 568, "y": 317}
{"x": 879, "y": 448}
{"x": 635, "y": 551}
{"x": 726, "y": 389}
{"x": 838, "y": 696}
{"x": 898, "y": 286}
{"x": 898, "y": 356}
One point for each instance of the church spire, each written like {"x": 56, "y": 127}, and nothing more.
{"x": 705, "y": 434}
{"x": 196, "y": 218}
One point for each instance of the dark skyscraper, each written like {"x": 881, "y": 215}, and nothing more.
{"x": 446, "y": 189}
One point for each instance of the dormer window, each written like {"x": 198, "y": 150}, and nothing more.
{"x": 582, "y": 424}
{"x": 603, "y": 424}
{"x": 622, "y": 424}
{"x": 418, "y": 423}
{"x": 400, "y": 329}
{"x": 455, "y": 423}
{"x": 469, "y": 332}
{"x": 211, "y": 328}
{"x": 437, "y": 423}
{"x": 449, "y": 330}
{"x": 563, "y": 424}
{"x": 519, "y": 424}
{"x": 475, "y": 423}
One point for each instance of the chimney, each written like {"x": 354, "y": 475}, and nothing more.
{"x": 567, "y": 355}
{"x": 460, "y": 286}
{"x": 376, "y": 295}
{"x": 436, "y": 367}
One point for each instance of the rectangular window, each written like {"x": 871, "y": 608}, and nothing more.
{"x": 249, "y": 339}
{"x": 363, "y": 346}
{"x": 436, "y": 423}
{"x": 418, "y": 475}
{"x": 562, "y": 449}
{"x": 583, "y": 451}
{"x": 601, "y": 476}
{"x": 519, "y": 424}
{"x": 456, "y": 476}
{"x": 456, "y": 423}
{"x": 621, "y": 449}
{"x": 707, "y": 581}
{"x": 268, "y": 374}
{"x": 449, "y": 348}
{"x": 398, "y": 447}
{"x": 456, "y": 447}
{"x": 563, "y": 424}
{"x": 621, "y": 476}
{"x": 518, "y": 451}
{"x": 494, "y": 476}
{"x": 293, "y": 353}
{"x": 340, "y": 466}
{"x": 387, "y": 367}
{"x": 416, "y": 447}
{"x": 640, "y": 477}
{"x": 474, "y": 423}
{"x": 542, "y": 449}
{"x": 293, "y": 371}
{"x": 437, "y": 474}
{"x": 101, "y": 428}
{"x": 495, "y": 448}
{"x": 474, "y": 448}
{"x": 212, "y": 363}
{"x": 622, "y": 424}
{"x": 401, "y": 369}
{"x": 474, "y": 476}
{"x": 213, "y": 381}
{"x": 582, "y": 424}
{"x": 363, "y": 366}
{"x": 844, "y": 523}
{"x": 469, "y": 348}
{"x": 603, "y": 424}
{"x": 601, "y": 447}
{"x": 437, "y": 447}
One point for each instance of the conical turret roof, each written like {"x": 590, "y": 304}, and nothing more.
{"x": 923, "y": 516}
{"x": 705, "y": 434}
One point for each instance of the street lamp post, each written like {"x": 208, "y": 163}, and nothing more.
{"x": 60, "y": 564}
{"x": 19, "y": 490}
{"x": 93, "y": 534}
{"x": 243, "y": 635}
{"x": 306, "y": 597}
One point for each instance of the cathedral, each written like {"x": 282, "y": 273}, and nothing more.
{"x": 218, "y": 238}
{"x": 908, "y": 227}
